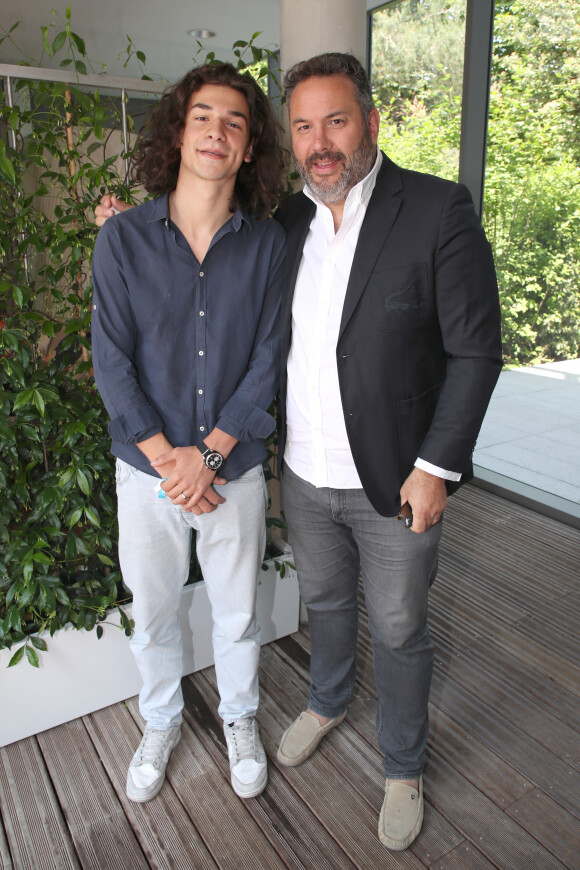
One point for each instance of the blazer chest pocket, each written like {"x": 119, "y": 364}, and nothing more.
{"x": 400, "y": 297}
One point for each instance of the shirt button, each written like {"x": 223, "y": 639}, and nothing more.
{"x": 201, "y": 352}
{"x": 201, "y": 274}
{"x": 200, "y": 392}
{"x": 201, "y": 313}
{"x": 202, "y": 428}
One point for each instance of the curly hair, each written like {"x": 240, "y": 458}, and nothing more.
{"x": 333, "y": 63}
{"x": 157, "y": 157}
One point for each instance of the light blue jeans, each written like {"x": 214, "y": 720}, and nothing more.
{"x": 334, "y": 533}
{"x": 154, "y": 552}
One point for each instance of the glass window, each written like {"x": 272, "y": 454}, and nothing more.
{"x": 417, "y": 78}
{"x": 532, "y": 182}
{"x": 531, "y": 435}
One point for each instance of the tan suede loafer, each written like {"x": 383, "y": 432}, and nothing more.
{"x": 401, "y": 814}
{"x": 301, "y": 739}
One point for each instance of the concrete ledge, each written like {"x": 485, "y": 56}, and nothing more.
{"x": 546, "y": 503}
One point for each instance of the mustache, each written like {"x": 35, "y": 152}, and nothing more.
{"x": 324, "y": 155}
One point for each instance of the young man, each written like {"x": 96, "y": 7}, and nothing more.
{"x": 185, "y": 336}
{"x": 390, "y": 352}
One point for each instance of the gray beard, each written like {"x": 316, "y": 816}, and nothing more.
{"x": 355, "y": 169}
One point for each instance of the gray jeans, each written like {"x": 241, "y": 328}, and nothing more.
{"x": 335, "y": 534}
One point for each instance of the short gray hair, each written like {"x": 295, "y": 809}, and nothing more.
{"x": 333, "y": 63}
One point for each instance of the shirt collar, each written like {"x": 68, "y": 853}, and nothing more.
{"x": 160, "y": 212}
{"x": 361, "y": 191}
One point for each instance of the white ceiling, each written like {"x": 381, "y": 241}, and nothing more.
{"x": 157, "y": 27}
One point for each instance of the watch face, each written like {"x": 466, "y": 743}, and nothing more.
{"x": 214, "y": 460}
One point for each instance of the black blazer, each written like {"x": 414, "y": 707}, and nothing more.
{"x": 419, "y": 347}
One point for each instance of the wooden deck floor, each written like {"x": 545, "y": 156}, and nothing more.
{"x": 501, "y": 786}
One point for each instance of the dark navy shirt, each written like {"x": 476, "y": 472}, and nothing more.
{"x": 180, "y": 347}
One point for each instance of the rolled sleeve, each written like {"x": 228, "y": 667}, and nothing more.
{"x": 136, "y": 425}
{"x": 255, "y": 423}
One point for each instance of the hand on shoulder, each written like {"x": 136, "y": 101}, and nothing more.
{"x": 108, "y": 206}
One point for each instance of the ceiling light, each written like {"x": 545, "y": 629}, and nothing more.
{"x": 200, "y": 33}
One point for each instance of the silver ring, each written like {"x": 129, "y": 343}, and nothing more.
{"x": 184, "y": 496}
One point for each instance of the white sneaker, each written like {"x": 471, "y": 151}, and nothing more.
{"x": 248, "y": 764}
{"x": 146, "y": 772}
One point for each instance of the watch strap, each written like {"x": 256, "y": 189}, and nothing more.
{"x": 206, "y": 452}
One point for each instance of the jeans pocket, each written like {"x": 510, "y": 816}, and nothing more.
{"x": 123, "y": 472}
{"x": 248, "y": 477}
{"x": 253, "y": 477}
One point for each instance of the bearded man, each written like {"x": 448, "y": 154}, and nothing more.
{"x": 390, "y": 352}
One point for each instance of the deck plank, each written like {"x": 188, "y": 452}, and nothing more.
{"x": 5, "y": 859}
{"x": 510, "y": 548}
{"x": 338, "y": 807}
{"x": 534, "y": 761}
{"x": 520, "y": 678}
{"x": 163, "y": 828}
{"x": 496, "y": 835}
{"x": 463, "y": 857}
{"x": 550, "y": 824}
{"x": 101, "y": 834}
{"x": 352, "y": 749}
{"x": 502, "y": 781}
{"x": 293, "y": 831}
{"x": 540, "y": 725}
{"x": 36, "y": 832}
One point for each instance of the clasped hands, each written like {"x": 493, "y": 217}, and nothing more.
{"x": 189, "y": 483}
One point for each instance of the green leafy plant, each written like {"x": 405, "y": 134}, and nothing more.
{"x": 58, "y": 515}
{"x": 532, "y": 183}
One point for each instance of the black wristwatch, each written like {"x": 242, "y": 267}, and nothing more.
{"x": 211, "y": 458}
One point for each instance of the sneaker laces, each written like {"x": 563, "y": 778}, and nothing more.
{"x": 152, "y": 747}
{"x": 243, "y": 733}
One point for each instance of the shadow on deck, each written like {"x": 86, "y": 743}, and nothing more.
{"x": 501, "y": 786}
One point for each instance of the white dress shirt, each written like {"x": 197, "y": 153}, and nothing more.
{"x": 317, "y": 447}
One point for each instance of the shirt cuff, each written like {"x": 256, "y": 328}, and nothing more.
{"x": 438, "y": 472}
{"x": 256, "y": 423}
{"x": 136, "y": 425}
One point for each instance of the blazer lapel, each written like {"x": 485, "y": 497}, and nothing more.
{"x": 378, "y": 221}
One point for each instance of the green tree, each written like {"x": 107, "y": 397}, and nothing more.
{"x": 532, "y": 193}
{"x": 417, "y": 72}
{"x": 417, "y": 52}
{"x": 532, "y": 190}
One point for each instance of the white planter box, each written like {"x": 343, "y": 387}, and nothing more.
{"x": 80, "y": 673}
